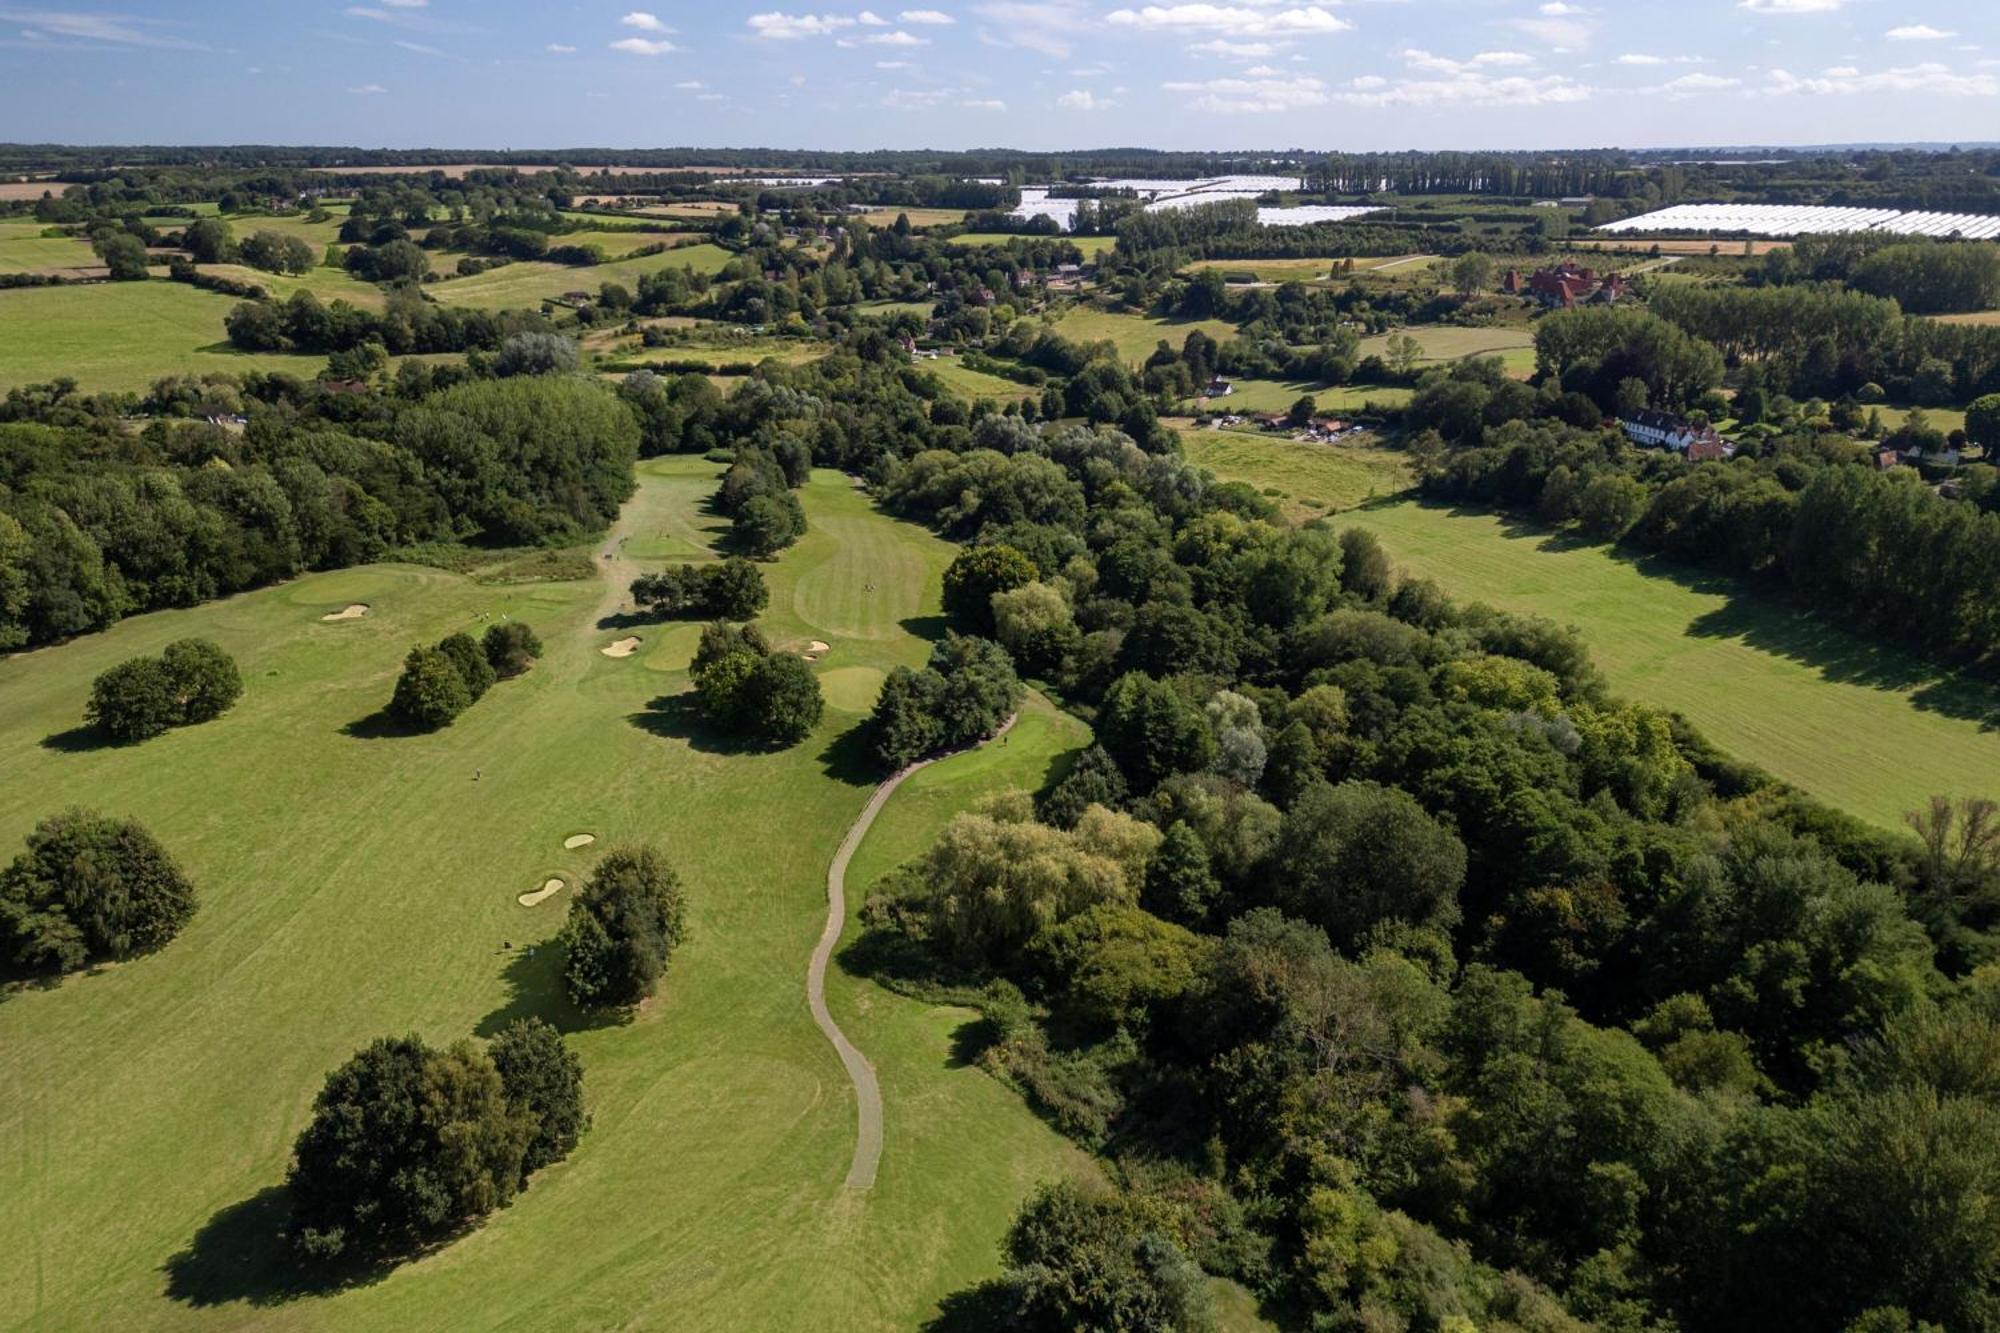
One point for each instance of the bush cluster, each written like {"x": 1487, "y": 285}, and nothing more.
{"x": 440, "y": 682}
{"x": 731, "y": 590}
{"x": 622, "y": 928}
{"x": 744, "y": 687}
{"x": 191, "y": 681}
{"x": 89, "y": 887}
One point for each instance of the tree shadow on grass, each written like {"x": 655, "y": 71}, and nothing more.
{"x": 240, "y": 1254}
{"x": 80, "y": 739}
{"x": 678, "y": 717}
{"x": 535, "y": 990}
{"x": 930, "y": 629}
{"x": 379, "y": 725}
{"x": 847, "y": 759}
{"x": 990, "y": 1305}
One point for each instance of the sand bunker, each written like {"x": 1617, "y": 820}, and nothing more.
{"x": 814, "y": 647}
{"x": 622, "y": 648}
{"x": 354, "y": 612}
{"x": 550, "y": 888}
{"x": 576, "y": 840}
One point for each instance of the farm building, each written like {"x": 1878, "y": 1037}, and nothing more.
{"x": 1664, "y": 430}
{"x": 1566, "y": 286}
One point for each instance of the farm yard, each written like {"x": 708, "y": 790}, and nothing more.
{"x": 1856, "y": 724}
{"x": 365, "y": 884}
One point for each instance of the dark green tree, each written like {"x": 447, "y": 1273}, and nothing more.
{"x": 543, "y": 1077}
{"x": 135, "y": 700}
{"x": 972, "y": 578}
{"x": 511, "y": 648}
{"x": 1180, "y": 884}
{"x": 431, "y": 692}
{"x": 1356, "y": 855}
{"x": 205, "y": 679}
{"x": 622, "y": 928}
{"x": 470, "y": 661}
{"x": 88, "y": 887}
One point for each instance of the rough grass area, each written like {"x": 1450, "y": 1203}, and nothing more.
{"x": 1136, "y": 335}
{"x": 1092, "y": 246}
{"x": 1442, "y": 342}
{"x": 919, "y": 217}
{"x": 969, "y": 383}
{"x": 356, "y": 882}
{"x": 1863, "y": 727}
{"x": 328, "y": 284}
{"x": 26, "y": 250}
{"x": 123, "y": 336}
{"x": 1305, "y": 480}
{"x": 530, "y": 282}
{"x": 1279, "y": 395}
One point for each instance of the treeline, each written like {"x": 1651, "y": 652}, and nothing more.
{"x": 98, "y": 521}
{"x": 407, "y": 324}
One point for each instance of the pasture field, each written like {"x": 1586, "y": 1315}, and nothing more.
{"x": 530, "y": 282}
{"x": 26, "y": 250}
{"x": 1444, "y": 342}
{"x": 1135, "y": 335}
{"x": 919, "y": 217}
{"x": 1306, "y": 480}
{"x": 1092, "y": 246}
{"x": 617, "y": 242}
{"x": 356, "y": 883}
{"x": 1683, "y": 246}
{"x": 318, "y": 234}
{"x": 123, "y": 336}
{"x": 970, "y": 383}
{"x": 1973, "y": 317}
{"x": 1299, "y": 270}
{"x": 1279, "y": 395}
{"x": 1862, "y": 727}
{"x": 328, "y": 284}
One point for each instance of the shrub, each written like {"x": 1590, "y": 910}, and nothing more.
{"x": 622, "y": 928}
{"x": 511, "y": 648}
{"x": 431, "y": 692}
{"x": 206, "y": 681}
{"x": 89, "y": 887}
{"x": 470, "y": 662}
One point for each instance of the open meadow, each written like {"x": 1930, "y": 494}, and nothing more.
{"x": 530, "y": 282}
{"x": 124, "y": 335}
{"x": 1305, "y": 480}
{"x": 355, "y": 882}
{"x": 1861, "y": 726}
{"x": 1444, "y": 343}
{"x": 1135, "y": 335}
{"x": 1254, "y": 395}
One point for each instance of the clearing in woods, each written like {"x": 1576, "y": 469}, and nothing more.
{"x": 1861, "y": 726}
{"x": 356, "y": 883}
{"x": 124, "y": 335}
{"x": 529, "y": 282}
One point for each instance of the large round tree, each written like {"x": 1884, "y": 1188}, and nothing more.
{"x": 89, "y": 887}
{"x": 622, "y": 928}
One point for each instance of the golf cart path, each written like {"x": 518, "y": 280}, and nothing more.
{"x": 867, "y": 1091}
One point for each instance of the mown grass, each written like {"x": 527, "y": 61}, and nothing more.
{"x": 1279, "y": 395}
{"x": 26, "y": 250}
{"x": 1864, "y": 727}
{"x": 970, "y": 383}
{"x": 123, "y": 336}
{"x": 328, "y": 284}
{"x": 1306, "y": 480}
{"x": 355, "y": 882}
{"x": 1443, "y": 343}
{"x": 530, "y": 282}
{"x": 1135, "y": 335}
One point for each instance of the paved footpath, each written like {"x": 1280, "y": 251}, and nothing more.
{"x": 867, "y": 1090}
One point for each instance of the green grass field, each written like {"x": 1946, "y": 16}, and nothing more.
{"x": 1092, "y": 246}
{"x": 318, "y": 234}
{"x": 123, "y": 336}
{"x": 1441, "y": 343}
{"x": 975, "y": 384}
{"x": 25, "y": 250}
{"x": 1279, "y": 395}
{"x": 1308, "y": 479}
{"x": 355, "y": 883}
{"x": 530, "y": 282}
{"x": 1134, "y": 335}
{"x": 1865, "y": 728}
{"x": 328, "y": 284}
{"x": 617, "y": 243}
{"x": 1298, "y": 270}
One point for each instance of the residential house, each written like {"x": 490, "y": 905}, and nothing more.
{"x": 1664, "y": 430}
{"x": 1566, "y": 286}
{"x": 1218, "y": 387}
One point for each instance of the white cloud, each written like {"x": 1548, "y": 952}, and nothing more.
{"x": 406, "y": 4}
{"x": 1229, "y": 97}
{"x": 644, "y": 22}
{"x": 913, "y": 99}
{"x": 984, "y": 104}
{"x": 1562, "y": 27}
{"x": 1695, "y": 85}
{"x": 1229, "y": 50}
{"x": 790, "y": 27}
{"x": 691, "y": 84}
{"x": 1556, "y": 9}
{"x": 644, "y": 46}
{"x": 934, "y": 17}
{"x": 114, "y": 29}
{"x": 1237, "y": 20}
{"x": 896, "y": 38}
{"x": 1917, "y": 32}
{"x": 1790, "y": 6}
{"x": 1424, "y": 60}
{"x": 1465, "y": 84}
{"x": 1081, "y": 99}
{"x": 421, "y": 49}
{"x": 560, "y": 49}
{"x": 1048, "y": 26}
{"x": 368, "y": 89}
{"x": 710, "y": 97}
{"x": 1934, "y": 79}
{"x": 1641, "y": 60}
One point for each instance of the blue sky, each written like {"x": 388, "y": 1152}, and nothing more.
{"x": 1318, "y": 74}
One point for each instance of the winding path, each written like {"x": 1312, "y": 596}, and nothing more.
{"x": 867, "y": 1090}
